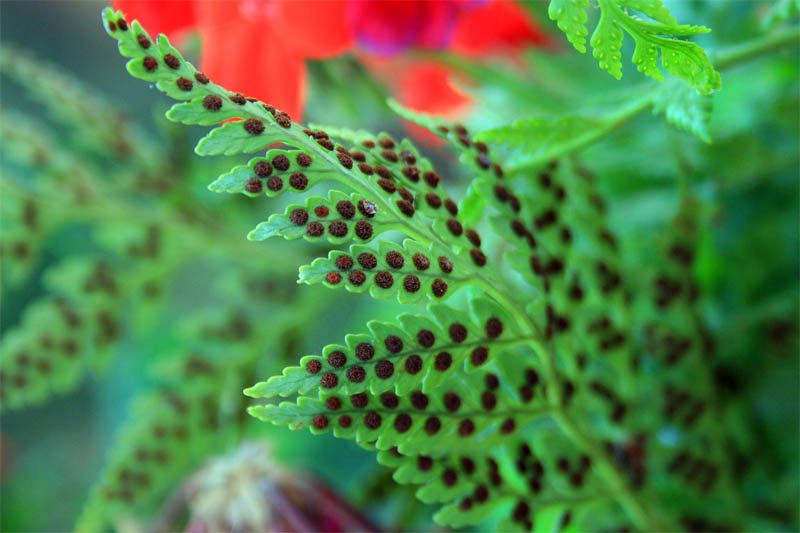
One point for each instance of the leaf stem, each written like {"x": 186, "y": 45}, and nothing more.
{"x": 633, "y": 506}
{"x": 754, "y": 48}
{"x": 726, "y": 59}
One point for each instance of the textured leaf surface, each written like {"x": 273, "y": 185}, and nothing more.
{"x": 659, "y": 35}
{"x": 570, "y": 15}
{"x": 408, "y": 272}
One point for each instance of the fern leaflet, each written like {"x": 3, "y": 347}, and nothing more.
{"x": 660, "y": 34}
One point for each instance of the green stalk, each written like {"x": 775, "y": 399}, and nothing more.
{"x": 733, "y": 56}
{"x": 726, "y": 59}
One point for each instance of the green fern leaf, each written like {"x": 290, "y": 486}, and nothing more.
{"x": 300, "y": 176}
{"x": 570, "y": 15}
{"x": 684, "y": 108}
{"x": 526, "y": 404}
{"x": 419, "y": 426}
{"x": 60, "y": 338}
{"x": 408, "y": 272}
{"x": 662, "y": 34}
{"x": 192, "y": 413}
{"x": 339, "y": 218}
{"x": 404, "y": 348}
{"x": 607, "y": 45}
{"x": 234, "y": 138}
{"x": 151, "y": 452}
{"x": 432, "y": 392}
{"x": 400, "y": 189}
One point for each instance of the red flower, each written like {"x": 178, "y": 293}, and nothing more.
{"x": 498, "y": 26}
{"x": 478, "y": 31}
{"x": 387, "y": 27}
{"x": 171, "y": 18}
{"x": 421, "y": 85}
{"x": 257, "y": 47}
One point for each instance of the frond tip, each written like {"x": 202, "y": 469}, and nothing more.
{"x": 388, "y": 185}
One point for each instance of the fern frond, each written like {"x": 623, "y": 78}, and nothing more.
{"x": 539, "y": 383}
{"x": 661, "y": 34}
{"x": 172, "y": 431}
{"x": 389, "y": 177}
{"x": 421, "y": 389}
{"x": 73, "y": 330}
{"x": 93, "y": 125}
{"x": 60, "y": 338}
{"x": 540, "y": 218}
{"x": 194, "y": 411}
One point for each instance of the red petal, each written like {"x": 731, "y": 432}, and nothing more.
{"x": 426, "y": 87}
{"x": 386, "y": 27}
{"x": 244, "y": 55}
{"x": 169, "y": 17}
{"x": 440, "y": 20}
{"x": 391, "y": 26}
{"x": 501, "y": 24}
{"x": 315, "y": 28}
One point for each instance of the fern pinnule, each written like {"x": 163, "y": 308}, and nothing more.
{"x": 419, "y": 352}
{"x": 407, "y": 271}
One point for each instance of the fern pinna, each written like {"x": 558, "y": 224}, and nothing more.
{"x": 540, "y": 387}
